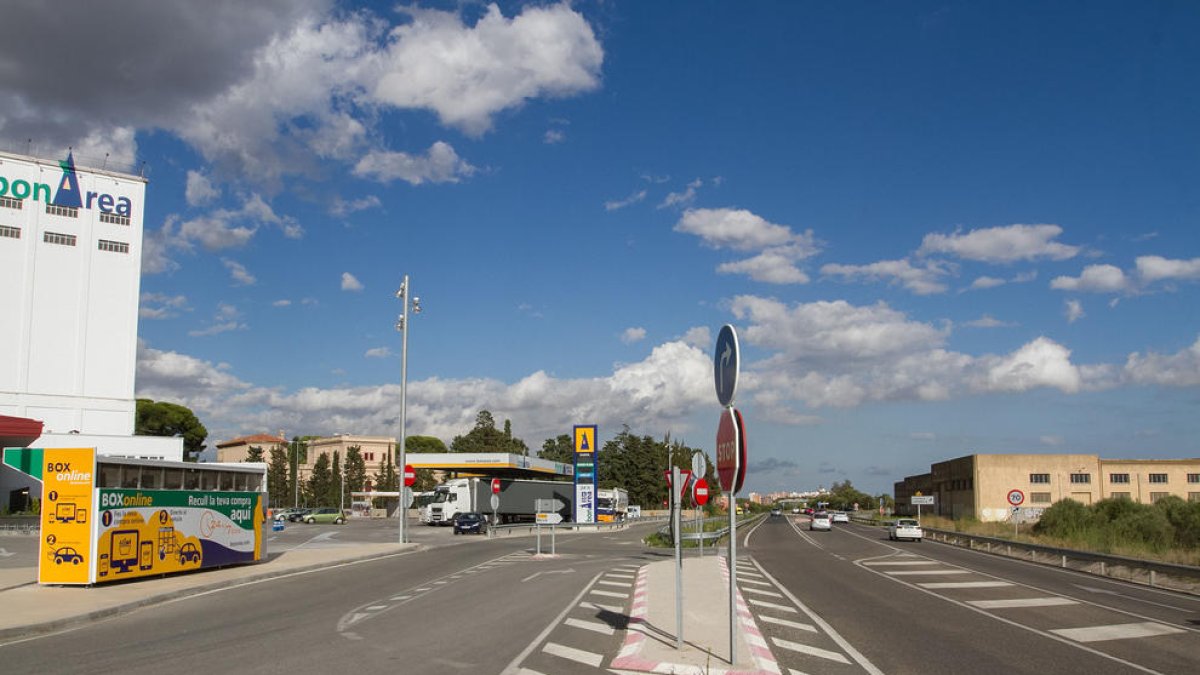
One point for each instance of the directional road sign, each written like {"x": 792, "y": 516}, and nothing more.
{"x": 549, "y": 518}
{"x": 725, "y": 365}
{"x": 548, "y": 505}
{"x": 699, "y": 464}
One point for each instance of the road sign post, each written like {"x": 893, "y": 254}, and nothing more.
{"x": 676, "y": 492}
{"x": 730, "y": 449}
{"x": 700, "y": 498}
{"x": 1015, "y": 498}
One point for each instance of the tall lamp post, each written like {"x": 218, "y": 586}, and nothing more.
{"x": 404, "y": 295}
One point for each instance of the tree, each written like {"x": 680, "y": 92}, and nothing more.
{"x": 558, "y": 449}
{"x": 319, "y": 483}
{"x": 279, "y": 487}
{"x": 387, "y": 480}
{"x": 485, "y": 437}
{"x": 160, "y": 418}
{"x": 356, "y": 469}
{"x": 254, "y": 454}
{"x": 333, "y": 494}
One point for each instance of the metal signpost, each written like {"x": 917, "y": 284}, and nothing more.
{"x": 729, "y": 450}
{"x": 677, "y": 481}
{"x": 547, "y": 514}
{"x": 404, "y": 295}
{"x": 700, "y": 496}
{"x": 918, "y": 500}
{"x": 495, "y": 501}
{"x": 1015, "y": 498}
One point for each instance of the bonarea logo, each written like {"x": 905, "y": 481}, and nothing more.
{"x": 67, "y": 193}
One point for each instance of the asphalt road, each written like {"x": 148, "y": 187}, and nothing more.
{"x": 846, "y": 601}
{"x": 907, "y": 607}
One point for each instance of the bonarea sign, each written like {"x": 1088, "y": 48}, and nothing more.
{"x": 67, "y": 192}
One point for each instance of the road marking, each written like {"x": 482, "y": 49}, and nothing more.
{"x": 512, "y": 668}
{"x": 594, "y": 626}
{"x": 615, "y": 609}
{"x": 423, "y": 589}
{"x": 1021, "y": 602}
{"x": 903, "y": 573}
{"x": 771, "y": 605}
{"x": 610, "y": 594}
{"x": 811, "y": 651}
{"x": 902, "y": 562}
{"x": 966, "y": 584}
{"x": 401, "y": 598}
{"x": 1103, "y": 591}
{"x": 526, "y": 671}
{"x": 578, "y": 655}
{"x": 376, "y": 608}
{"x": 618, "y": 584}
{"x": 756, "y": 582}
{"x": 621, "y": 576}
{"x": 1117, "y": 631}
{"x": 790, "y": 624}
{"x": 760, "y": 591}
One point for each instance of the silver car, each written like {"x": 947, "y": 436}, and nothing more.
{"x": 821, "y": 521}
{"x": 906, "y": 528}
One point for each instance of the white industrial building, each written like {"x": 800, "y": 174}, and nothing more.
{"x": 70, "y": 271}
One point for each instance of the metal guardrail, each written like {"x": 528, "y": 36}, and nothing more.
{"x": 1185, "y": 578}
{"x": 704, "y": 535}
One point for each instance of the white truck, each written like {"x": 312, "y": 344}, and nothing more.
{"x": 518, "y": 499}
{"x": 612, "y": 505}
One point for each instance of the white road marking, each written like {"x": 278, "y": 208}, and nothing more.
{"x": 401, "y": 598}
{"x": 790, "y": 624}
{"x": 1022, "y": 602}
{"x": 771, "y": 605}
{"x": 618, "y": 584}
{"x": 630, "y": 577}
{"x": 611, "y": 594}
{"x": 756, "y": 582}
{"x": 760, "y": 591}
{"x": 909, "y": 573}
{"x": 1117, "y": 631}
{"x": 594, "y": 626}
{"x": 811, "y": 651}
{"x": 376, "y": 608}
{"x": 526, "y": 671}
{"x": 966, "y": 584}
{"x": 902, "y": 562}
{"x": 578, "y": 655}
{"x": 615, "y": 609}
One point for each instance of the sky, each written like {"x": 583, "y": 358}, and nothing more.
{"x": 939, "y": 228}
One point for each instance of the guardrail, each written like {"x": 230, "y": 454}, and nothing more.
{"x": 528, "y": 528}
{"x": 19, "y": 526}
{"x": 704, "y": 534}
{"x": 1170, "y": 576}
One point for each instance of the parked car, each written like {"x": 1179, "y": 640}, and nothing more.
{"x": 820, "y": 521}
{"x": 841, "y": 517}
{"x": 325, "y": 515}
{"x": 905, "y": 528}
{"x": 284, "y": 514}
{"x": 470, "y": 522}
{"x": 297, "y": 515}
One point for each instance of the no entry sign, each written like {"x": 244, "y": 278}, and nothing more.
{"x": 495, "y": 486}
{"x": 700, "y": 492}
{"x": 410, "y": 476}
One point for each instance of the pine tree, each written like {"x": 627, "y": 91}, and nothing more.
{"x": 319, "y": 483}
{"x": 334, "y": 494}
{"x": 254, "y": 454}
{"x": 279, "y": 485}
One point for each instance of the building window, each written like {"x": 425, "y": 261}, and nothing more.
{"x": 65, "y": 211}
{"x": 113, "y": 246}
{"x": 56, "y": 238}
{"x": 1194, "y": 496}
{"x": 1039, "y": 478}
{"x": 1155, "y": 496}
{"x": 1194, "y": 477}
{"x": 1158, "y": 478}
{"x": 1081, "y": 478}
{"x": 1120, "y": 495}
{"x": 114, "y": 218}
{"x": 1118, "y": 478}
{"x": 10, "y": 203}
{"x": 1039, "y": 497}
{"x": 10, "y": 232}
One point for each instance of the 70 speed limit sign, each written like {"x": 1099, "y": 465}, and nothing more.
{"x": 1016, "y": 497}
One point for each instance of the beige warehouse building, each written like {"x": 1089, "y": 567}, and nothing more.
{"x": 979, "y": 486}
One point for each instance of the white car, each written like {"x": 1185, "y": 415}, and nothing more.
{"x": 820, "y": 521}
{"x": 905, "y": 528}
{"x": 841, "y": 517}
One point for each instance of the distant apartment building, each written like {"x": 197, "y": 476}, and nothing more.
{"x": 990, "y": 487}
{"x": 238, "y": 449}
{"x": 375, "y": 451}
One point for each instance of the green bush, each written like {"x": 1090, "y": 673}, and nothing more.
{"x": 1147, "y": 526}
{"x": 1184, "y": 517}
{"x": 1067, "y": 519}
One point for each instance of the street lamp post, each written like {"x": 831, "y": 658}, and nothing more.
{"x": 404, "y": 294}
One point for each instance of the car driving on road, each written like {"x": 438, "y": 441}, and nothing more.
{"x": 325, "y": 515}
{"x": 841, "y": 517}
{"x": 470, "y": 522}
{"x": 820, "y": 521}
{"x": 905, "y": 528}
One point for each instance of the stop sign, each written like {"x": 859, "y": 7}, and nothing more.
{"x": 731, "y": 450}
{"x": 700, "y": 492}
{"x": 410, "y": 476}
{"x": 495, "y": 486}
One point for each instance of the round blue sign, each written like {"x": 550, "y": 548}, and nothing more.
{"x": 725, "y": 365}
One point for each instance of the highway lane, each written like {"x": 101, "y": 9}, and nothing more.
{"x": 470, "y": 605}
{"x": 909, "y": 607}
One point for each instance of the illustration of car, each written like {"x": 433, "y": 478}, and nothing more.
{"x": 189, "y": 553}
{"x": 67, "y": 554}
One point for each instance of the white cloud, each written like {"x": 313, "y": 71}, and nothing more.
{"x": 1040, "y": 363}
{"x": 920, "y": 280}
{"x": 282, "y": 303}
{"x": 439, "y": 165}
{"x": 239, "y": 272}
{"x": 554, "y": 136}
{"x": 342, "y": 208}
{"x": 1152, "y": 268}
{"x": 1095, "y": 278}
{"x": 466, "y": 74}
{"x": 1073, "y": 310}
{"x": 633, "y": 334}
{"x": 737, "y": 229}
{"x": 628, "y": 201}
{"x": 987, "y": 282}
{"x": 988, "y": 321}
{"x": 350, "y": 283}
{"x": 161, "y": 305}
{"x": 1005, "y": 244}
{"x": 774, "y": 266}
{"x": 1181, "y": 369}
{"x": 1052, "y": 440}
{"x": 699, "y": 337}
{"x": 682, "y": 198}
{"x": 378, "y": 353}
{"x": 216, "y": 231}
{"x": 200, "y": 190}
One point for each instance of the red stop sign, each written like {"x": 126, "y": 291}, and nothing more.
{"x": 410, "y": 476}
{"x": 700, "y": 492}
{"x": 731, "y": 450}
{"x": 495, "y": 486}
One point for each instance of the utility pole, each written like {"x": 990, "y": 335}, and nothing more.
{"x": 404, "y": 294}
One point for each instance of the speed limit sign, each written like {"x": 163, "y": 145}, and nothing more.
{"x": 1016, "y": 497}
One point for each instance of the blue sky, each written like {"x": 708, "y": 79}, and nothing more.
{"x": 940, "y": 228}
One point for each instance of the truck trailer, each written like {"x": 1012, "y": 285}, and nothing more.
{"x": 518, "y": 499}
